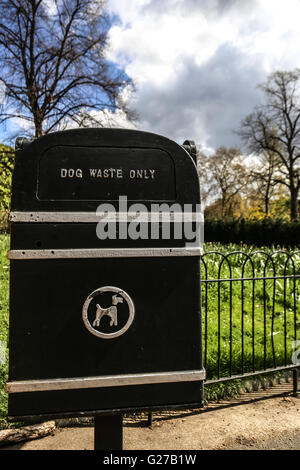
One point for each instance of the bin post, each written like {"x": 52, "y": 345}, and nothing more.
{"x": 108, "y": 432}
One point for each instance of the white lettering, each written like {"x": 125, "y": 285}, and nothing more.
{"x": 114, "y": 460}
{"x": 141, "y": 174}
{"x": 112, "y": 173}
{"x": 106, "y": 173}
{"x": 70, "y": 173}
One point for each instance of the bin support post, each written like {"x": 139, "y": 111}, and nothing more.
{"x": 108, "y": 432}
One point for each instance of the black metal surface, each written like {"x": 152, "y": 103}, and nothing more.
{"x": 37, "y": 418}
{"x": 141, "y": 174}
{"x": 107, "y": 399}
{"x": 48, "y": 338}
{"x": 82, "y": 235}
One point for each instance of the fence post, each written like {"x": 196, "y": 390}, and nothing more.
{"x": 295, "y": 382}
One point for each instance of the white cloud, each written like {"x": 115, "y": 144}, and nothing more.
{"x": 50, "y": 7}
{"x": 196, "y": 64}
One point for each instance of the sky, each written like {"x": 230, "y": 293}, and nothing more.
{"x": 196, "y": 63}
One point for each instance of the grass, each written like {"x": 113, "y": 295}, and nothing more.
{"x": 254, "y": 308}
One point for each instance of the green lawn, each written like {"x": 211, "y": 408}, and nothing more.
{"x": 254, "y": 308}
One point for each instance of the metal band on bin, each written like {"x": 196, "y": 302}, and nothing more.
{"x": 102, "y": 253}
{"x": 65, "y": 217}
{"x": 21, "y": 386}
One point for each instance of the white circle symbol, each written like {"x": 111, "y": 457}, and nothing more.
{"x": 110, "y": 312}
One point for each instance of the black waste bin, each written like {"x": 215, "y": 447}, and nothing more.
{"x": 102, "y": 323}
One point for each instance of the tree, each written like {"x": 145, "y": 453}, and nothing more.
{"x": 264, "y": 180}
{"x": 7, "y": 155}
{"x": 53, "y": 65}
{"x": 274, "y": 127}
{"x": 225, "y": 177}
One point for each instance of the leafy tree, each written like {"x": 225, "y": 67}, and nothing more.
{"x": 53, "y": 65}
{"x": 225, "y": 177}
{"x": 274, "y": 128}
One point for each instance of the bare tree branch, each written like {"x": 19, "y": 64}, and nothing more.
{"x": 274, "y": 128}
{"x": 54, "y": 63}
{"x": 225, "y": 177}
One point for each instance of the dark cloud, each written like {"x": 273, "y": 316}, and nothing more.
{"x": 206, "y": 102}
{"x": 210, "y": 8}
{"x": 196, "y": 63}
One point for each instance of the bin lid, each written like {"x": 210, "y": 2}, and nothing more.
{"x": 76, "y": 170}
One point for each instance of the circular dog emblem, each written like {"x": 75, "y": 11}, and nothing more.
{"x": 108, "y": 312}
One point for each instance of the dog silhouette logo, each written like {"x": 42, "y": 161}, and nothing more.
{"x": 98, "y": 312}
{"x": 112, "y": 312}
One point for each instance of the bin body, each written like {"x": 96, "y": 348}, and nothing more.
{"x": 101, "y": 325}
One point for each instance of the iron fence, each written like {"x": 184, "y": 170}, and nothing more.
{"x": 250, "y": 314}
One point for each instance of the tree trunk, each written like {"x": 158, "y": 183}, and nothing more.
{"x": 38, "y": 128}
{"x": 267, "y": 201}
{"x": 294, "y": 203}
{"x": 10, "y": 436}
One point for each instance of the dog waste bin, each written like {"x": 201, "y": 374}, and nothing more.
{"x": 104, "y": 305}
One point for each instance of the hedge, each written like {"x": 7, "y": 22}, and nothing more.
{"x": 262, "y": 232}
